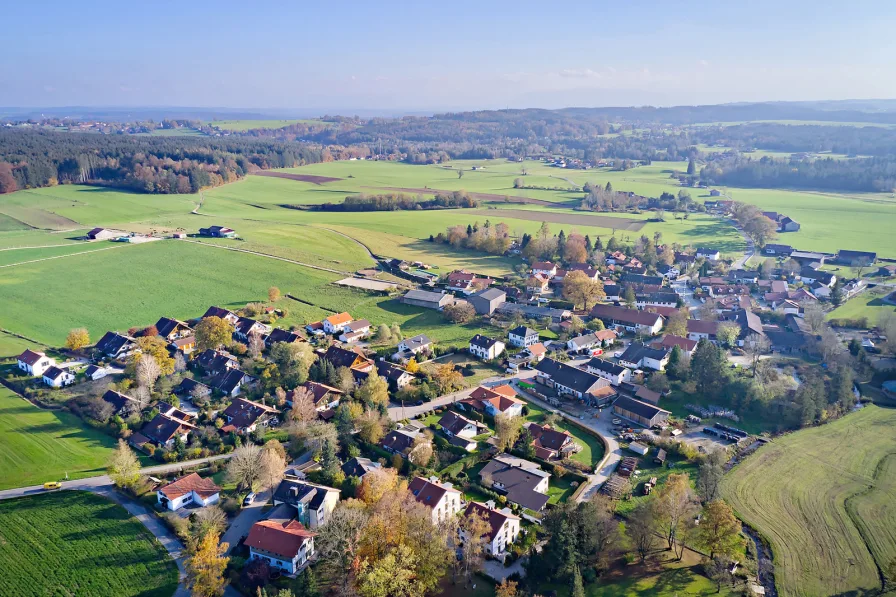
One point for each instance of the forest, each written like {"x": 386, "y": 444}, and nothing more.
{"x": 400, "y": 201}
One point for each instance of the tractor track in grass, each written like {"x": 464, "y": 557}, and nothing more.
{"x": 287, "y": 260}
{"x": 62, "y": 256}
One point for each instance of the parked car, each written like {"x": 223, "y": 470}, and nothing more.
{"x": 247, "y": 501}
{"x": 51, "y": 485}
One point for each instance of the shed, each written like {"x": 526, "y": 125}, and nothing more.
{"x": 660, "y": 457}
{"x": 638, "y": 448}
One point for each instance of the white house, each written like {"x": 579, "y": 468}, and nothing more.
{"x": 709, "y": 254}
{"x": 615, "y": 374}
{"x": 638, "y": 356}
{"x": 57, "y": 377}
{"x": 34, "y": 363}
{"x": 94, "y": 372}
{"x": 504, "y": 527}
{"x": 355, "y": 330}
{"x": 313, "y": 503}
{"x": 522, "y": 336}
{"x": 494, "y": 401}
{"x": 486, "y": 348}
{"x": 545, "y": 268}
{"x": 585, "y": 342}
{"x": 444, "y": 500}
{"x": 415, "y": 345}
{"x": 335, "y": 324}
{"x": 284, "y": 545}
{"x": 191, "y": 489}
{"x": 455, "y": 425}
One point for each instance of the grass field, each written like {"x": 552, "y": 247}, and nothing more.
{"x": 76, "y": 543}
{"x": 248, "y": 125}
{"x": 868, "y": 304}
{"x": 11, "y": 346}
{"x": 38, "y": 445}
{"x": 823, "y": 497}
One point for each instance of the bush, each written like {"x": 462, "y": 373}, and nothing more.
{"x": 230, "y": 506}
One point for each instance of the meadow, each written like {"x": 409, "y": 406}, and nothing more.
{"x": 76, "y": 543}
{"x": 823, "y": 498}
{"x": 39, "y": 445}
{"x": 248, "y": 125}
{"x": 869, "y": 304}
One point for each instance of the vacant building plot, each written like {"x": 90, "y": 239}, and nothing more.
{"x": 823, "y": 498}
{"x": 366, "y": 284}
{"x": 77, "y": 543}
{"x": 300, "y": 177}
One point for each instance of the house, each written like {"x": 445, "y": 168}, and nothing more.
{"x": 191, "y": 489}
{"x": 215, "y": 362}
{"x": 244, "y": 327}
{"x": 341, "y": 357}
{"x": 397, "y": 376}
{"x": 454, "y": 424}
{"x": 537, "y": 352}
{"x": 115, "y": 345}
{"x": 94, "y": 372}
{"x": 172, "y": 329}
{"x": 641, "y": 279}
{"x": 442, "y": 498}
{"x": 632, "y": 320}
{"x": 613, "y": 292}
{"x": 244, "y": 416}
{"x": 639, "y": 412}
{"x": 58, "y": 377}
{"x": 645, "y": 394}
{"x": 777, "y": 250}
{"x": 531, "y": 311}
{"x": 787, "y": 224}
{"x": 709, "y": 254}
{"x": 358, "y": 467}
{"x": 487, "y": 301}
{"x": 586, "y": 269}
{"x": 615, "y": 374}
{"x": 584, "y": 342}
{"x": 122, "y": 403}
{"x": 568, "y": 380}
{"x": 537, "y": 284}
{"x": 656, "y": 299}
{"x": 325, "y": 397}
{"x": 399, "y": 441}
{"x": 503, "y": 527}
{"x": 313, "y": 503}
{"x": 355, "y": 330}
{"x": 743, "y": 276}
{"x": 103, "y": 234}
{"x": 546, "y": 269}
{"x": 164, "y": 431}
{"x": 225, "y": 314}
{"x": 466, "y": 282}
{"x": 190, "y": 388}
{"x": 750, "y": 325}
{"x": 485, "y": 348}
{"x": 698, "y": 329}
{"x": 494, "y": 401}
{"x": 217, "y": 232}
{"x": 811, "y": 276}
{"x": 230, "y": 382}
{"x": 277, "y": 335}
{"x": 670, "y": 272}
{"x": 521, "y": 481}
{"x": 427, "y": 299}
{"x": 335, "y": 324}
{"x": 411, "y": 347}
{"x": 34, "y": 363}
{"x": 638, "y": 356}
{"x": 684, "y": 260}
{"x": 669, "y": 342}
{"x": 715, "y": 193}
{"x": 287, "y": 546}
{"x": 186, "y": 345}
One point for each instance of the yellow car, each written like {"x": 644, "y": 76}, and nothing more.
{"x": 52, "y": 485}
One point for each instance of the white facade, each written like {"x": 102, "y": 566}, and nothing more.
{"x": 279, "y": 561}
{"x": 523, "y": 341}
{"x": 37, "y": 370}
{"x": 65, "y": 379}
{"x": 448, "y": 506}
{"x": 188, "y": 498}
{"x": 615, "y": 380}
{"x": 487, "y": 354}
{"x": 331, "y": 328}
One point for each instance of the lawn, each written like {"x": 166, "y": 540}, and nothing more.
{"x": 11, "y": 346}
{"x": 868, "y": 304}
{"x": 823, "y": 498}
{"x": 650, "y": 469}
{"x": 77, "y": 543}
{"x": 39, "y": 445}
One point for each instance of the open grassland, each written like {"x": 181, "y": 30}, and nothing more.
{"x": 76, "y": 543}
{"x": 814, "y": 494}
{"x": 248, "y": 125}
{"x": 11, "y": 257}
{"x": 11, "y": 346}
{"x": 39, "y": 445}
{"x": 869, "y": 304}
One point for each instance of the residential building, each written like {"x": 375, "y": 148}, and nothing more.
{"x": 172, "y": 329}
{"x": 230, "y": 382}
{"x": 188, "y": 490}
{"x": 669, "y": 341}
{"x": 485, "y": 348}
{"x": 94, "y": 372}
{"x": 287, "y": 546}
{"x": 467, "y": 282}
{"x": 777, "y": 250}
{"x": 494, "y": 401}
{"x": 335, "y": 324}
{"x": 487, "y": 301}
{"x": 615, "y": 374}
{"x": 641, "y": 279}
{"x": 221, "y": 313}
{"x": 163, "y": 431}
{"x": 504, "y": 527}
{"x": 522, "y": 336}
{"x": 670, "y": 272}
{"x": 632, "y": 320}
{"x": 454, "y": 424}
{"x": 743, "y": 276}
{"x": 355, "y": 330}
{"x": 709, "y": 254}
{"x": 313, "y": 503}
{"x": 122, "y": 403}
{"x": 699, "y": 329}
{"x": 58, "y": 377}
{"x": 544, "y": 268}
{"x": 325, "y": 397}
{"x": 641, "y": 356}
{"x": 750, "y": 325}
{"x": 568, "y": 380}
{"x": 397, "y": 376}
{"x": 656, "y": 299}
{"x": 399, "y": 441}
{"x": 521, "y": 481}
{"x": 353, "y": 359}
{"x": 190, "y": 387}
{"x": 277, "y": 335}
{"x": 537, "y": 284}
{"x": 115, "y": 345}
{"x": 414, "y": 346}
{"x": 245, "y": 327}
{"x": 811, "y": 276}
{"x": 34, "y": 363}
{"x": 442, "y": 498}
{"x": 244, "y": 416}
{"x": 583, "y": 342}
{"x": 537, "y": 352}
{"x": 639, "y": 412}
{"x": 215, "y": 362}
{"x": 358, "y": 467}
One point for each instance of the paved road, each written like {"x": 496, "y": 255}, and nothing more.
{"x": 751, "y": 249}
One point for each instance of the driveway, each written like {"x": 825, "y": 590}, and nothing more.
{"x": 248, "y": 516}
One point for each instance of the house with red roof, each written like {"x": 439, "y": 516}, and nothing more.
{"x": 494, "y": 401}
{"x": 284, "y": 545}
{"x": 34, "y": 363}
{"x": 442, "y": 498}
{"x": 503, "y": 527}
{"x": 191, "y": 489}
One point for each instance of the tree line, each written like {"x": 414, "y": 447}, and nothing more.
{"x": 400, "y": 201}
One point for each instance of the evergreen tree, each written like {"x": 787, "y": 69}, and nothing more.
{"x": 608, "y": 188}
{"x": 837, "y": 293}
{"x": 692, "y": 168}
{"x": 599, "y": 244}
{"x": 578, "y": 589}
{"x": 469, "y": 230}
{"x": 708, "y": 368}
{"x": 673, "y": 368}
{"x": 612, "y": 244}
{"x": 561, "y": 240}
{"x": 588, "y": 246}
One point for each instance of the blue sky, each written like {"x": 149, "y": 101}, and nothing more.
{"x": 406, "y": 56}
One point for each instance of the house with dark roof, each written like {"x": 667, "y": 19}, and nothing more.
{"x": 521, "y": 481}
{"x": 34, "y": 363}
{"x": 313, "y": 503}
{"x": 287, "y": 545}
{"x": 95, "y": 372}
{"x": 58, "y": 377}
{"x": 122, "y": 403}
{"x": 638, "y": 356}
{"x": 629, "y": 278}
{"x": 353, "y": 359}
{"x": 669, "y": 341}
{"x": 639, "y": 412}
{"x": 750, "y": 325}
{"x": 550, "y": 443}
{"x": 358, "y": 467}
{"x": 522, "y": 336}
{"x": 355, "y": 330}
{"x": 277, "y": 335}
{"x": 245, "y": 327}
{"x": 788, "y": 224}
{"x": 487, "y": 301}
{"x": 845, "y": 257}
{"x": 399, "y": 441}
{"x": 503, "y": 527}
{"x": 568, "y": 380}
{"x": 244, "y": 416}
{"x": 218, "y": 232}
{"x": 225, "y": 314}
{"x": 632, "y": 320}
{"x": 172, "y": 329}
{"x": 699, "y": 329}
{"x": 325, "y": 397}
{"x": 485, "y": 348}
{"x": 454, "y": 424}
{"x": 410, "y": 348}
{"x": 188, "y": 490}
{"x": 777, "y": 249}
{"x": 709, "y": 254}
{"x": 444, "y": 500}
{"x": 397, "y": 376}
{"x": 163, "y": 431}
{"x": 115, "y": 345}
{"x": 190, "y": 387}
{"x": 230, "y": 382}
{"x": 615, "y": 374}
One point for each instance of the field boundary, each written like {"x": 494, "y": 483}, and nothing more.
{"x": 317, "y": 267}
{"x": 62, "y": 256}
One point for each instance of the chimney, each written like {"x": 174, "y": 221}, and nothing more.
{"x": 448, "y": 485}
{"x": 490, "y": 504}
{"x": 434, "y": 479}
{"x": 294, "y": 491}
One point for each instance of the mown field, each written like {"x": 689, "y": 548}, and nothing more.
{"x": 38, "y": 445}
{"x": 823, "y": 497}
{"x": 76, "y": 543}
{"x": 248, "y": 125}
{"x": 869, "y": 304}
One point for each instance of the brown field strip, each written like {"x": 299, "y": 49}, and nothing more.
{"x": 300, "y": 177}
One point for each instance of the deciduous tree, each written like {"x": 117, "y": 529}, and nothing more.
{"x": 507, "y": 430}
{"x": 673, "y": 507}
{"x": 718, "y": 529}
{"x": 206, "y": 565}
{"x": 727, "y": 333}
{"x": 273, "y": 294}
{"x": 245, "y": 467}
{"x": 77, "y": 339}
{"x": 460, "y": 312}
{"x": 476, "y": 529}
{"x": 213, "y": 332}
{"x": 640, "y": 529}
{"x": 374, "y": 392}
{"x": 124, "y": 468}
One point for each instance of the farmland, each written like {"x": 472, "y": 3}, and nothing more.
{"x": 71, "y": 543}
{"x": 40, "y": 445}
{"x": 869, "y": 304}
{"x": 248, "y": 125}
{"x": 821, "y": 497}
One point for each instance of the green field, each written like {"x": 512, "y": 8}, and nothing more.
{"x": 76, "y": 543}
{"x": 39, "y": 445}
{"x": 11, "y": 346}
{"x": 868, "y": 304}
{"x": 823, "y": 497}
{"x": 248, "y": 125}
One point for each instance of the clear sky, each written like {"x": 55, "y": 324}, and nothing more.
{"x": 419, "y": 56}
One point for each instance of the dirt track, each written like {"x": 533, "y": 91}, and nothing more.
{"x": 573, "y": 218}
{"x": 300, "y": 177}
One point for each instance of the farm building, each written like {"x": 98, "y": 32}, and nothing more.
{"x": 426, "y": 299}
{"x": 103, "y": 234}
{"x": 217, "y": 232}
{"x": 632, "y": 320}
{"x": 638, "y": 448}
{"x": 487, "y": 301}
{"x": 642, "y": 413}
